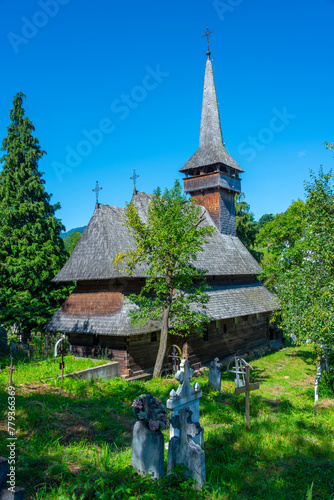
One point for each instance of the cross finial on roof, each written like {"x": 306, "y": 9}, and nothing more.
{"x": 96, "y": 190}
{"x": 134, "y": 178}
{"x": 207, "y": 34}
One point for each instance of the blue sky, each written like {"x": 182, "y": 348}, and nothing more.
{"x": 112, "y": 87}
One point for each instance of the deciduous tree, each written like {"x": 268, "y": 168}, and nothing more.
{"x": 306, "y": 284}
{"x": 283, "y": 237}
{"x": 168, "y": 244}
{"x": 245, "y": 222}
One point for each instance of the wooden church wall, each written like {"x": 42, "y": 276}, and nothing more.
{"x": 222, "y": 339}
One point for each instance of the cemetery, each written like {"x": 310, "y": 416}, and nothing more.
{"x": 183, "y": 436}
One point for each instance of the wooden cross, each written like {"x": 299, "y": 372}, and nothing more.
{"x": 96, "y": 190}
{"x": 207, "y": 34}
{"x": 12, "y": 369}
{"x": 246, "y": 389}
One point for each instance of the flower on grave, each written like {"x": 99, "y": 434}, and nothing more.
{"x": 153, "y": 425}
{"x": 150, "y": 411}
{"x": 137, "y": 404}
{"x": 141, "y": 415}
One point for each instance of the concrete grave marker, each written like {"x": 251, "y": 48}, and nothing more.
{"x": 148, "y": 441}
{"x": 185, "y": 396}
{"x": 215, "y": 374}
{"x": 183, "y": 450}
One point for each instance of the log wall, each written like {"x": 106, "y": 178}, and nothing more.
{"x": 136, "y": 354}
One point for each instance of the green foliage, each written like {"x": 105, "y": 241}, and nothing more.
{"x": 306, "y": 279}
{"x": 282, "y": 235}
{"x": 300, "y": 259}
{"x": 245, "y": 222}
{"x": 264, "y": 220}
{"x": 71, "y": 241}
{"x": 31, "y": 250}
{"x": 329, "y": 145}
{"x": 168, "y": 244}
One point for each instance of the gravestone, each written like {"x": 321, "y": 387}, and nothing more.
{"x": 185, "y": 396}
{"x": 148, "y": 441}
{"x": 8, "y": 492}
{"x": 183, "y": 450}
{"x": 215, "y": 374}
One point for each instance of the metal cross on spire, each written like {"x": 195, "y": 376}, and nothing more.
{"x": 96, "y": 190}
{"x": 134, "y": 178}
{"x": 207, "y": 34}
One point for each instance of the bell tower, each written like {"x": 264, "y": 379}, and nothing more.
{"x": 211, "y": 174}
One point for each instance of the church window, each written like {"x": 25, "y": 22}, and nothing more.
{"x": 206, "y": 334}
{"x": 153, "y": 336}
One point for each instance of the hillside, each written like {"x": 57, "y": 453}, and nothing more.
{"x": 74, "y": 230}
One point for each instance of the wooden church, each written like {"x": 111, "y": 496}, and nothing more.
{"x": 95, "y": 316}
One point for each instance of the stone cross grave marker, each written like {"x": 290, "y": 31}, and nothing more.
{"x": 183, "y": 450}
{"x": 12, "y": 369}
{"x": 215, "y": 374}
{"x": 186, "y": 395}
{"x": 243, "y": 384}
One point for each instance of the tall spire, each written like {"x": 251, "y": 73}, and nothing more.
{"x": 210, "y": 122}
{"x": 211, "y": 174}
{"x": 211, "y": 149}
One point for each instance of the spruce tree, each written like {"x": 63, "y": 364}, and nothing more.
{"x": 31, "y": 250}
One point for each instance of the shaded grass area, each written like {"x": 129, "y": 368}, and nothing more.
{"x": 74, "y": 439}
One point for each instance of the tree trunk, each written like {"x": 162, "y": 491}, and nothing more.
{"x": 163, "y": 343}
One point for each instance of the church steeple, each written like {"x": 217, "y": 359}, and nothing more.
{"x": 210, "y": 123}
{"x": 212, "y": 176}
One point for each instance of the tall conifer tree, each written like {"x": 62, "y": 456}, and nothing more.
{"x": 31, "y": 250}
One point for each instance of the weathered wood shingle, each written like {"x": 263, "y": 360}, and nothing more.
{"x": 106, "y": 313}
{"x": 107, "y": 233}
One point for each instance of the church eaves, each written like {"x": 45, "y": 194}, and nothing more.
{"x": 211, "y": 149}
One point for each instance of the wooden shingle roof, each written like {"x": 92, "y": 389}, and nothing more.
{"x": 107, "y": 233}
{"x": 211, "y": 149}
{"x": 107, "y": 312}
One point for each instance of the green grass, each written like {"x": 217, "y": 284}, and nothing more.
{"x": 74, "y": 439}
{"x": 42, "y": 370}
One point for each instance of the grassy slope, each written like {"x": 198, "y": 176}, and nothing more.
{"x": 74, "y": 440}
